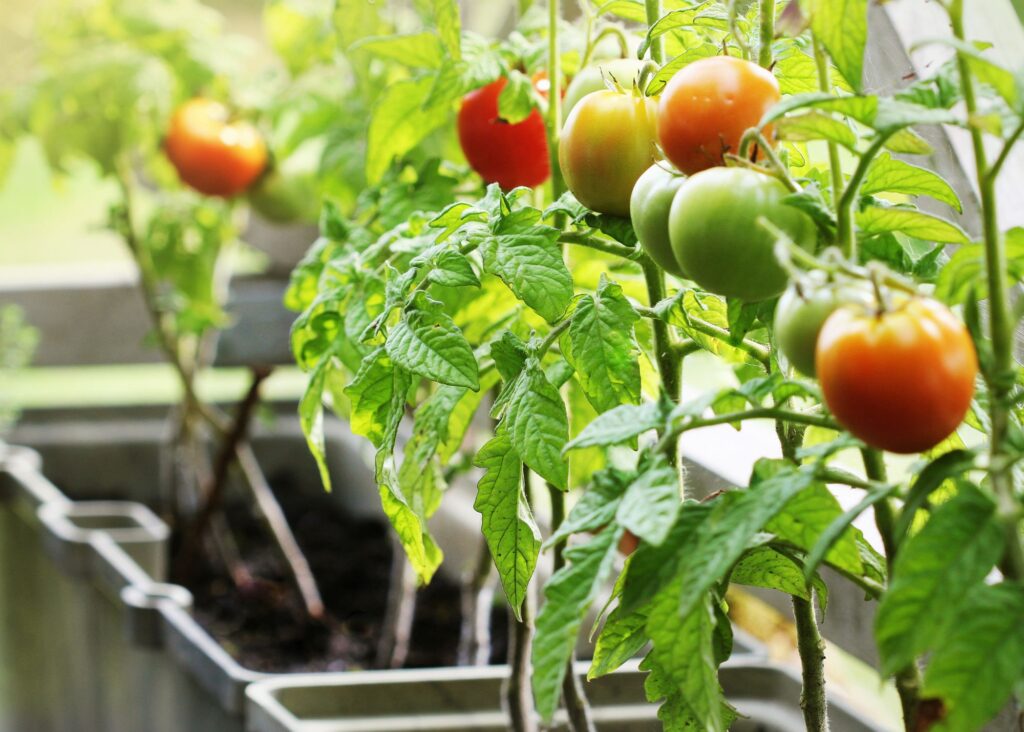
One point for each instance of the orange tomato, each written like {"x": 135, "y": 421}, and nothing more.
{"x": 901, "y": 380}
{"x": 211, "y": 153}
{"x": 628, "y": 542}
{"x": 707, "y": 106}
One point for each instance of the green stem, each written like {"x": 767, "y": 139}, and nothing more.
{"x": 1001, "y": 377}
{"x": 670, "y": 363}
{"x": 552, "y": 337}
{"x": 734, "y": 31}
{"x": 764, "y": 148}
{"x": 784, "y": 415}
{"x": 908, "y": 680}
{"x": 993, "y": 172}
{"x": 587, "y": 239}
{"x": 554, "y": 98}
{"x": 764, "y": 53}
{"x": 825, "y": 85}
{"x": 812, "y": 661}
{"x": 653, "y": 11}
{"x": 845, "y": 234}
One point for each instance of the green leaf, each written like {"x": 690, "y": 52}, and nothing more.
{"x": 621, "y": 638}
{"x": 918, "y": 224}
{"x": 421, "y": 549}
{"x": 602, "y": 347}
{"x": 723, "y": 538}
{"x": 399, "y": 123}
{"x": 567, "y": 596}
{"x": 807, "y": 516}
{"x": 448, "y": 27}
{"x": 453, "y": 270}
{"x": 979, "y": 661}
{"x": 509, "y": 354}
{"x": 311, "y": 417}
{"x": 538, "y": 424}
{"x": 765, "y": 567}
{"x": 934, "y": 572}
{"x": 966, "y": 269}
{"x": 651, "y": 502}
{"x": 527, "y": 258}
{"x": 908, "y": 142}
{"x": 417, "y": 50}
{"x": 949, "y": 465}
{"x": 797, "y": 73}
{"x": 683, "y": 670}
{"x": 842, "y": 27}
{"x": 596, "y": 507}
{"x": 516, "y": 101}
{"x": 619, "y": 425}
{"x": 839, "y": 528}
{"x": 815, "y": 125}
{"x": 697, "y": 15}
{"x": 887, "y": 174}
{"x": 377, "y": 394}
{"x": 666, "y": 72}
{"x": 427, "y": 342}
{"x": 688, "y": 307}
{"x": 508, "y": 523}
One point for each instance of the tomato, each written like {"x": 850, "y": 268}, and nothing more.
{"x": 510, "y": 155}
{"x": 802, "y": 311}
{"x": 592, "y": 79}
{"x": 649, "y": 206}
{"x": 290, "y": 190}
{"x": 717, "y": 240}
{"x": 901, "y": 380}
{"x": 606, "y": 144}
{"x": 707, "y": 106}
{"x": 211, "y": 153}
{"x": 628, "y": 542}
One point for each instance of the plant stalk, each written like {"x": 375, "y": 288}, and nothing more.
{"x": 908, "y": 680}
{"x": 554, "y": 98}
{"x": 812, "y": 661}
{"x": 764, "y": 51}
{"x": 668, "y": 358}
{"x": 653, "y": 12}
{"x": 1001, "y": 377}
{"x": 825, "y": 84}
{"x": 845, "y": 234}
{"x": 477, "y": 598}
{"x": 518, "y": 694}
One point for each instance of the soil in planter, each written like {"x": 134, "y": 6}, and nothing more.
{"x": 350, "y": 557}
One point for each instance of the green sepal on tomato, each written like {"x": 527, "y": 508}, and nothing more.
{"x": 649, "y": 207}
{"x": 608, "y": 141}
{"x": 622, "y": 71}
{"x": 803, "y": 309}
{"x": 716, "y": 237}
{"x": 510, "y": 155}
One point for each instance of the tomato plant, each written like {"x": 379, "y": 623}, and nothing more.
{"x": 621, "y": 71}
{"x": 549, "y": 310}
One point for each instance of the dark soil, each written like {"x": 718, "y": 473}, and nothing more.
{"x": 264, "y": 626}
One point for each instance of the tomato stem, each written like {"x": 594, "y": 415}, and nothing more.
{"x": 734, "y": 30}
{"x": 657, "y": 48}
{"x": 764, "y": 51}
{"x": 1001, "y": 376}
{"x": 845, "y": 234}
{"x": 554, "y": 98}
{"x": 825, "y": 84}
{"x": 812, "y": 660}
{"x": 778, "y": 168}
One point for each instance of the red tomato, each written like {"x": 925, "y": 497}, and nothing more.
{"x": 507, "y": 154}
{"x": 707, "y": 106}
{"x": 901, "y": 381}
{"x": 215, "y": 156}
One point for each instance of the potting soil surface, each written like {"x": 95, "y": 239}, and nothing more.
{"x": 264, "y": 626}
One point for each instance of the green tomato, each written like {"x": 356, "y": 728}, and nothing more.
{"x": 649, "y": 207}
{"x": 291, "y": 191}
{"x": 589, "y": 79}
{"x": 717, "y": 240}
{"x": 804, "y": 308}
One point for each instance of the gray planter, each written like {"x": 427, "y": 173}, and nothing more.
{"x": 466, "y": 700}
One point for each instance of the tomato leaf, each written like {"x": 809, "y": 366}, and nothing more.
{"x": 798, "y": 74}
{"x": 807, "y": 516}
{"x": 621, "y": 424}
{"x": 596, "y": 507}
{"x": 921, "y": 225}
{"x": 966, "y": 269}
{"x": 399, "y": 123}
{"x": 887, "y": 174}
{"x": 419, "y": 546}
{"x": 527, "y": 258}
{"x": 448, "y": 26}
{"x": 652, "y": 501}
{"x": 603, "y": 349}
{"x": 621, "y": 638}
{"x": 311, "y": 417}
{"x": 980, "y": 659}
{"x": 765, "y": 567}
{"x": 377, "y": 394}
{"x": 839, "y": 529}
{"x": 516, "y": 101}
{"x": 842, "y": 27}
{"x": 567, "y": 595}
{"x": 538, "y": 425}
{"x": 453, "y": 270}
{"x": 508, "y": 523}
{"x": 935, "y": 570}
{"x": 815, "y": 125}
{"x": 427, "y": 342}
{"x": 687, "y": 57}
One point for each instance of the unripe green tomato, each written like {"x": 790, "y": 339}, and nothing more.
{"x": 290, "y": 191}
{"x": 717, "y": 240}
{"x": 649, "y": 207}
{"x": 608, "y": 141}
{"x": 802, "y": 311}
{"x": 590, "y": 79}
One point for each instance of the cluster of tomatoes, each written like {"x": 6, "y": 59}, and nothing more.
{"x": 896, "y": 370}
